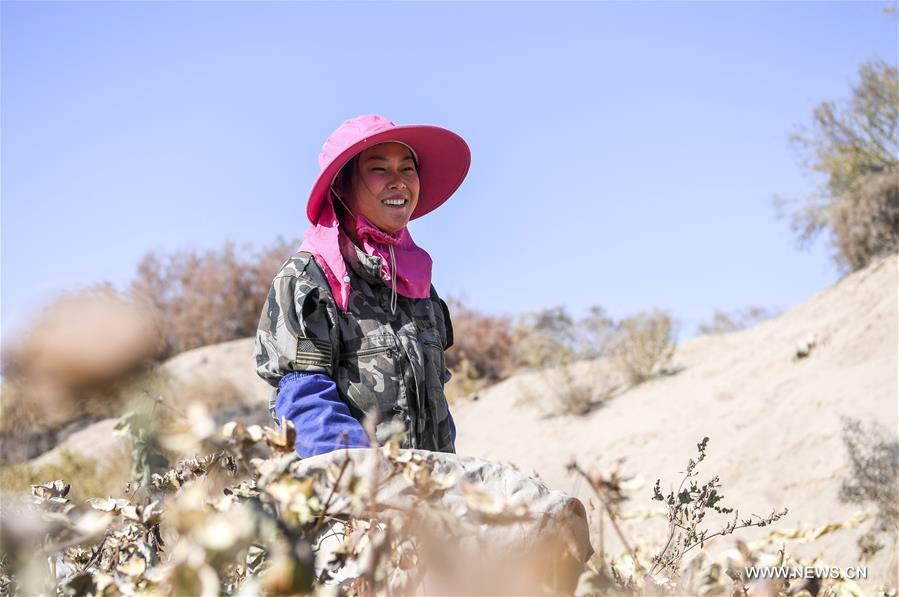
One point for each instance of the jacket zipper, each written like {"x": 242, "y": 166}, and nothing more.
{"x": 365, "y": 352}
{"x": 414, "y": 420}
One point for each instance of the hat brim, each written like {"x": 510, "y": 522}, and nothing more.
{"x": 443, "y": 162}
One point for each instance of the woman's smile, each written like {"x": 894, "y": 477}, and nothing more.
{"x": 395, "y": 202}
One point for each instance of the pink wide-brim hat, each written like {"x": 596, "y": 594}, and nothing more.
{"x": 443, "y": 159}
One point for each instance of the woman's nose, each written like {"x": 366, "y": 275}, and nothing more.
{"x": 396, "y": 181}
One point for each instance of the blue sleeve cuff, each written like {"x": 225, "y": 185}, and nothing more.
{"x": 322, "y": 419}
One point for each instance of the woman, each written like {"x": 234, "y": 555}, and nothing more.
{"x": 352, "y": 328}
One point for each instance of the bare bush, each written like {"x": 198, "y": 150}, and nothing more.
{"x": 866, "y": 221}
{"x": 643, "y": 345}
{"x": 543, "y": 339}
{"x": 552, "y": 342}
{"x": 552, "y": 337}
{"x": 873, "y": 478}
{"x": 481, "y": 351}
{"x": 687, "y": 509}
{"x": 724, "y": 323}
{"x": 211, "y": 297}
{"x": 576, "y": 393}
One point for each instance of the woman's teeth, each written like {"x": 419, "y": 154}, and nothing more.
{"x": 394, "y": 202}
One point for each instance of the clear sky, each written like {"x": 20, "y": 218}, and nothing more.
{"x": 624, "y": 154}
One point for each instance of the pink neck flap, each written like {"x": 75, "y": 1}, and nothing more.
{"x": 405, "y": 266}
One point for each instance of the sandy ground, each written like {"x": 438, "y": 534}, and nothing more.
{"x": 773, "y": 421}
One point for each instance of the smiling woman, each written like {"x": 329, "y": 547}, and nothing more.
{"x": 352, "y": 329}
{"x": 381, "y": 184}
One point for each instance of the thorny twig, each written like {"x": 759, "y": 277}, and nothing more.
{"x": 686, "y": 510}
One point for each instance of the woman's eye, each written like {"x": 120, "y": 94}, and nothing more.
{"x": 409, "y": 169}
{"x": 379, "y": 169}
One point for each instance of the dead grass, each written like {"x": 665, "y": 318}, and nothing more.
{"x": 577, "y": 394}
{"x": 89, "y": 477}
{"x": 21, "y": 411}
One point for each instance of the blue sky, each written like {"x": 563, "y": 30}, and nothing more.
{"x": 623, "y": 154}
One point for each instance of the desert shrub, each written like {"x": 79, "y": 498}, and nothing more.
{"x": 854, "y": 146}
{"x": 553, "y": 342}
{"x": 643, "y": 345}
{"x": 724, "y": 323}
{"x": 552, "y": 337}
{"x": 544, "y": 338}
{"x": 481, "y": 352}
{"x": 873, "y": 478}
{"x": 866, "y": 221}
{"x": 576, "y": 393}
{"x": 569, "y": 388}
{"x": 211, "y": 297}
{"x": 687, "y": 508}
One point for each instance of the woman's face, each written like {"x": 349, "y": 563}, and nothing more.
{"x": 385, "y": 186}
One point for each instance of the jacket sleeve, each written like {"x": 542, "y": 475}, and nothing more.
{"x": 322, "y": 420}
{"x": 298, "y": 327}
{"x": 452, "y": 424}
{"x": 444, "y": 328}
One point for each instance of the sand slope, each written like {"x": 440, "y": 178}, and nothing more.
{"x": 774, "y": 422}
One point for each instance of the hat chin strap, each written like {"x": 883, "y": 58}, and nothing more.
{"x": 340, "y": 200}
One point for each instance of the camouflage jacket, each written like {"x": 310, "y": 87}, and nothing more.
{"x": 388, "y": 365}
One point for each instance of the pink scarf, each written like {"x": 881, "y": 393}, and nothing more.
{"x": 405, "y": 266}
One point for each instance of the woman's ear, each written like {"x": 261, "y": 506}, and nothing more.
{"x": 343, "y": 183}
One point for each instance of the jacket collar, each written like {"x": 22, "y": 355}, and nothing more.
{"x": 367, "y": 267}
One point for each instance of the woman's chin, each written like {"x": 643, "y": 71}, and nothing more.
{"x": 392, "y": 223}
